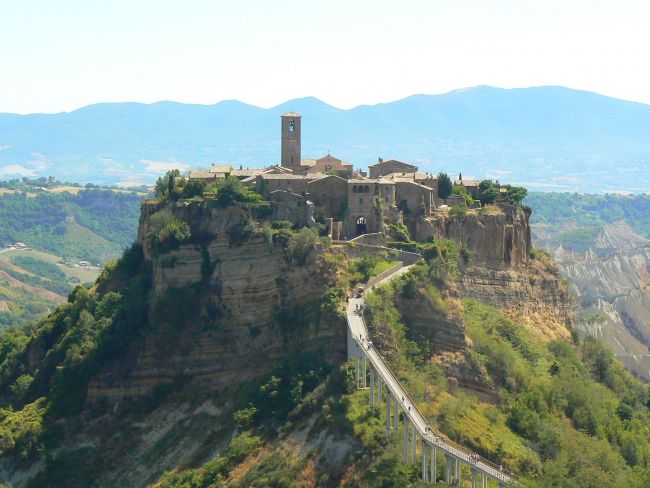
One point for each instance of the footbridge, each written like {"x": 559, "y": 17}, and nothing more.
{"x": 386, "y": 393}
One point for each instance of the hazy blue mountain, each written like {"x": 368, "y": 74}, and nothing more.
{"x": 547, "y": 137}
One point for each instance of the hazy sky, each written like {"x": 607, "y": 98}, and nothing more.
{"x": 61, "y": 55}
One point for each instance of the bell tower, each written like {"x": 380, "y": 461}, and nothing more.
{"x": 291, "y": 141}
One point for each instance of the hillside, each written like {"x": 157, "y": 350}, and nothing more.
{"x": 548, "y": 137}
{"x": 59, "y": 227}
{"x": 601, "y": 244}
{"x": 213, "y": 354}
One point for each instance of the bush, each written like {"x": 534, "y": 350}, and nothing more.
{"x": 166, "y": 232}
{"x": 459, "y": 210}
{"x": 193, "y": 188}
{"x": 411, "y": 246}
{"x": 460, "y": 190}
{"x": 301, "y": 244}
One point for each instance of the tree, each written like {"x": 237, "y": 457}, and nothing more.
{"x": 445, "y": 186}
{"x": 193, "y": 188}
{"x": 489, "y": 192}
{"x": 515, "y": 194}
{"x": 165, "y": 184}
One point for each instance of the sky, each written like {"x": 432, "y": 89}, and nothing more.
{"x": 59, "y": 56}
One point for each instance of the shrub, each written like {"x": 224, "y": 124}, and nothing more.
{"x": 238, "y": 234}
{"x": 459, "y": 210}
{"x": 301, "y": 244}
{"x": 489, "y": 192}
{"x": 411, "y": 246}
{"x": 460, "y": 190}
{"x": 166, "y": 232}
{"x": 193, "y": 188}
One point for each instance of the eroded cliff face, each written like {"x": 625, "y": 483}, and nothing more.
{"x": 221, "y": 314}
{"x": 496, "y": 236}
{"x": 613, "y": 298}
{"x": 498, "y": 269}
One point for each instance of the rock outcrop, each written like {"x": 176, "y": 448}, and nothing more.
{"x": 496, "y": 236}
{"x": 498, "y": 269}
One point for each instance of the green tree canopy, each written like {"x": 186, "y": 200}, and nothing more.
{"x": 445, "y": 186}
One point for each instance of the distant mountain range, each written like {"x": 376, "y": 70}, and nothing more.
{"x": 547, "y": 138}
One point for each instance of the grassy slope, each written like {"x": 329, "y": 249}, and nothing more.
{"x": 568, "y": 414}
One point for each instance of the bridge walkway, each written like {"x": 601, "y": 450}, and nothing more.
{"x": 370, "y": 367}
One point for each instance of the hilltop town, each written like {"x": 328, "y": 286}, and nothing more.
{"x": 352, "y": 202}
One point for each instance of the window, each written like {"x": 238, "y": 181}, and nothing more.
{"x": 292, "y": 125}
{"x": 360, "y": 200}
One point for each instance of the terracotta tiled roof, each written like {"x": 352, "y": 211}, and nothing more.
{"x": 201, "y": 173}
{"x": 220, "y": 168}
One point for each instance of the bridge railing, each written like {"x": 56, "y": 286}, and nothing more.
{"x": 465, "y": 453}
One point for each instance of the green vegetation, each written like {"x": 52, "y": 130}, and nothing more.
{"x": 166, "y": 232}
{"x": 229, "y": 191}
{"x": 366, "y": 267}
{"x": 566, "y": 414}
{"x": 445, "y": 185}
{"x": 22, "y": 307}
{"x": 212, "y": 474}
{"x": 591, "y": 211}
{"x": 58, "y": 287}
{"x": 461, "y": 191}
{"x": 579, "y": 240}
{"x": 83, "y": 226}
{"x": 82, "y": 336}
{"x": 41, "y": 268}
{"x": 300, "y": 244}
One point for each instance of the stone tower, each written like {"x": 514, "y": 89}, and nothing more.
{"x": 291, "y": 141}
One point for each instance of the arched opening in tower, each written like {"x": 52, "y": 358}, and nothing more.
{"x": 361, "y": 225}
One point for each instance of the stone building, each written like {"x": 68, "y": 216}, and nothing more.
{"x": 470, "y": 183}
{"x": 330, "y": 190}
{"x": 413, "y": 198}
{"x": 329, "y": 164}
{"x": 329, "y": 195}
{"x": 290, "y": 142}
{"x": 383, "y": 168}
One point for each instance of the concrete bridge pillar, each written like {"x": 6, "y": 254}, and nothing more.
{"x": 380, "y": 387}
{"x": 388, "y": 414}
{"x": 474, "y": 479}
{"x": 372, "y": 388}
{"x": 406, "y": 439}
{"x": 434, "y": 464}
{"x": 425, "y": 477}
{"x": 448, "y": 470}
{"x": 458, "y": 476}
{"x": 396, "y": 419}
{"x": 414, "y": 445}
{"x": 357, "y": 358}
{"x": 365, "y": 372}
{"x": 484, "y": 481}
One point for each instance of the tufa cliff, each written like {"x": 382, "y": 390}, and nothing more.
{"x": 222, "y": 312}
{"x": 499, "y": 268}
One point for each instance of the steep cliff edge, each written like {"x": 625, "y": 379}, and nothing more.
{"x": 499, "y": 268}
{"x": 223, "y": 313}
